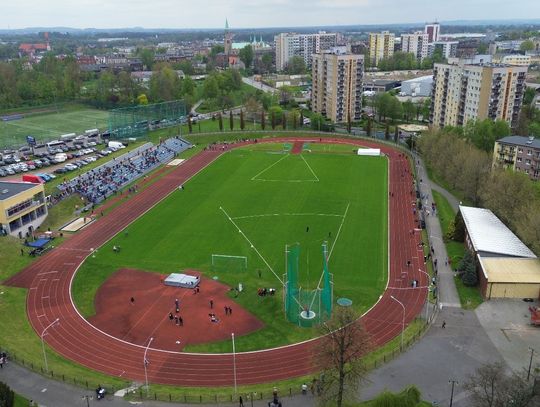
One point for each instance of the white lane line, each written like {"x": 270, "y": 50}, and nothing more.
{"x": 251, "y": 244}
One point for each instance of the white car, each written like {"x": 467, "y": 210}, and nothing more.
{"x": 70, "y": 167}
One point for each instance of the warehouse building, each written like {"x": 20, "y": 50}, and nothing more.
{"x": 507, "y": 268}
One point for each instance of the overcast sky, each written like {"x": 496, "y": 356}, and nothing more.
{"x": 251, "y": 13}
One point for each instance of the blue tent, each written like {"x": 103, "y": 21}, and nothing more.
{"x": 38, "y": 244}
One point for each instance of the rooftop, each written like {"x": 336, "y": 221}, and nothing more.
{"x": 10, "y": 189}
{"x": 515, "y": 270}
{"x": 520, "y": 141}
{"x": 427, "y": 78}
{"x": 488, "y": 234}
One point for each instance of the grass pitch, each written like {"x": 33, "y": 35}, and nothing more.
{"x": 51, "y": 125}
{"x": 264, "y": 199}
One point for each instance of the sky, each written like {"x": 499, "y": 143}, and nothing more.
{"x": 251, "y": 13}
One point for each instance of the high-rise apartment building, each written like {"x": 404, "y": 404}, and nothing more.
{"x": 433, "y": 30}
{"x": 463, "y": 92}
{"x": 289, "y": 45}
{"x": 337, "y": 85}
{"x": 381, "y": 45}
{"x": 416, "y": 44}
{"x": 448, "y": 49}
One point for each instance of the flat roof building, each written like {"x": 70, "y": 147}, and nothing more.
{"x": 22, "y": 207}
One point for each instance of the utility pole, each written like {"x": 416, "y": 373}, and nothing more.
{"x": 530, "y": 364}
{"x": 454, "y": 382}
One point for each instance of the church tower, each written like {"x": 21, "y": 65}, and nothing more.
{"x": 227, "y": 43}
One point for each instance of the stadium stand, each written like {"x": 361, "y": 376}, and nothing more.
{"x": 101, "y": 182}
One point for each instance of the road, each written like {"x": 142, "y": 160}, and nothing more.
{"x": 259, "y": 85}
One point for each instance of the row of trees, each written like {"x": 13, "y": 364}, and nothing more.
{"x": 388, "y": 107}
{"x": 400, "y": 61}
{"x": 512, "y": 196}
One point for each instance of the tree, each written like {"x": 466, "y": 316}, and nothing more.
{"x": 263, "y": 120}
{"x": 147, "y": 57}
{"x": 349, "y": 123}
{"x": 368, "y": 127}
{"x": 527, "y": 45}
{"x": 492, "y": 386}
{"x": 142, "y": 99}
{"x": 190, "y": 126}
{"x": 188, "y": 86}
{"x": 284, "y": 121}
{"x": 408, "y": 110}
{"x": 396, "y": 134}
{"x": 317, "y": 122}
{"x": 339, "y": 354}
{"x": 266, "y": 62}
{"x": 273, "y": 119}
{"x": 231, "y": 120}
{"x": 469, "y": 276}
{"x": 387, "y": 131}
{"x": 294, "y": 117}
{"x": 301, "y": 121}
{"x": 220, "y": 118}
{"x": 246, "y": 55}
{"x": 296, "y": 66}
{"x": 242, "y": 124}
{"x": 7, "y": 397}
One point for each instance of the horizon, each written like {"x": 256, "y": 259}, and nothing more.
{"x": 252, "y": 14}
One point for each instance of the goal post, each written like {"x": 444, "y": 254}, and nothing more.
{"x": 227, "y": 262}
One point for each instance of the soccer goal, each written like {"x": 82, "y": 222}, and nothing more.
{"x": 226, "y": 262}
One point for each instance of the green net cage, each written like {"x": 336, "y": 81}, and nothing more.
{"x": 307, "y": 307}
{"x": 136, "y": 121}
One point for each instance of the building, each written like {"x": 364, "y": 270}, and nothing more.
{"x": 507, "y": 268}
{"x": 22, "y": 207}
{"x": 432, "y": 30}
{"x": 463, "y": 92}
{"x": 420, "y": 87}
{"x": 337, "y": 85}
{"x": 448, "y": 49}
{"x": 381, "y": 46}
{"x": 227, "y": 40}
{"x": 513, "y": 59}
{"x": 416, "y": 44}
{"x": 289, "y": 45}
{"x": 380, "y": 85}
{"x": 518, "y": 153}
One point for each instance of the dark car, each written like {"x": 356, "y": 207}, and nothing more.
{"x": 60, "y": 170}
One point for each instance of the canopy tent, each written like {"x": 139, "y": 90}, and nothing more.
{"x": 39, "y": 243}
{"x": 182, "y": 280}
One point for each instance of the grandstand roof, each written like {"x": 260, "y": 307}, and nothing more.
{"x": 488, "y": 234}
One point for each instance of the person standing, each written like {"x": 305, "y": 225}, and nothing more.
{"x": 443, "y": 324}
{"x": 211, "y": 304}
{"x": 240, "y": 402}
{"x": 176, "y": 302}
{"x": 180, "y": 321}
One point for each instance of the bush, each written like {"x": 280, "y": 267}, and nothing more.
{"x": 409, "y": 397}
{"x": 6, "y": 396}
{"x": 469, "y": 276}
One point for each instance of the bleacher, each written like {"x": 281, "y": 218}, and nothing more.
{"x": 98, "y": 184}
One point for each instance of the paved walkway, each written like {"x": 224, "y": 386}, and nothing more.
{"x": 448, "y": 295}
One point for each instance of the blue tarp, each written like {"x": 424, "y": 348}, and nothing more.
{"x": 38, "y": 243}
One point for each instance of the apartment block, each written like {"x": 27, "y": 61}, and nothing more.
{"x": 381, "y": 46}
{"x": 518, "y": 153}
{"x": 433, "y": 31}
{"x": 416, "y": 44}
{"x": 337, "y": 85}
{"x": 448, "y": 49}
{"x": 463, "y": 92}
{"x": 289, "y": 45}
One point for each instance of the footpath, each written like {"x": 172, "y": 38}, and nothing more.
{"x": 443, "y": 354}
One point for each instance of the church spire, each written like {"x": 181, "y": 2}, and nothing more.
{"x": 226, "y": 25}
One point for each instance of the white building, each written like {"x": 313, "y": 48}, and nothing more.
{"x": 417, "y": 87}
{"x": 289, "y": 45}
{"x": 416, "y": 44}
{"x": 432, "y": 30}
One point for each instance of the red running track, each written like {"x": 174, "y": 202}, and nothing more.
{"x": 49, "y": 296}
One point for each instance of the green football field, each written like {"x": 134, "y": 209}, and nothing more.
{"x": 49, "y": 126}
{"x": 274, "y": 199}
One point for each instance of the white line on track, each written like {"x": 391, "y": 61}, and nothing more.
{"x": 251, "y": 244}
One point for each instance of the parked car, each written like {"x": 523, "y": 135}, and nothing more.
{"x": 60, "y": 170}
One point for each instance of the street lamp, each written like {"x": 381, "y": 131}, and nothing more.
{"x": 427, "y": 298}
{"x": 454, "y": 382}
{"x": 43, "y": 342}
{"x": 145, "y": 362}
{"x": 403, "y": 320}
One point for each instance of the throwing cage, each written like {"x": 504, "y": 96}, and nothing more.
{"x": 135, "y": 121}
{"x": 303, "y": 306}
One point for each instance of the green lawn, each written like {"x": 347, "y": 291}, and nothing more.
{"x": 469, "y": 297}
{"x": 186, "y": 228}
{"x": 51, "y": 125}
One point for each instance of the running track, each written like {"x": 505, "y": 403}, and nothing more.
{"x": 49, "y": 280}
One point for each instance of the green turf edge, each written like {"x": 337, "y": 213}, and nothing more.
{"x": 469, "y": 297}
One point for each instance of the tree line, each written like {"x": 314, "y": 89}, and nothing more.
{"x": 467, "y": 168}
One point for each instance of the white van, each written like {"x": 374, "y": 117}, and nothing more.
{"x": 116, "y": 144}
{"x": 60, "y": 157}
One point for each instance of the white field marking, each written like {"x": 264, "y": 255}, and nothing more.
{"x": 311, "y": 169}
{"x": 287, "y": 214}
{"x": 339, "y": 231}
{"x": 286, "y": 180}
{"x": 267, "y": 168}
{"x": 252, "y": 245}
{"x": 25, "y": 126}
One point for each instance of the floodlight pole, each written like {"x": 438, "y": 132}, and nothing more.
{"x": 427, "y": 297}
{"x": 43, "y": 343}
{"x": 454, "y": 382}
{"x": 145, "y": 362}
{"x": 403, "y": 320}
{"x": 234, "y": 361}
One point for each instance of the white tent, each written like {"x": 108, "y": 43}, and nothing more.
{"x": 369, "y": 151}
